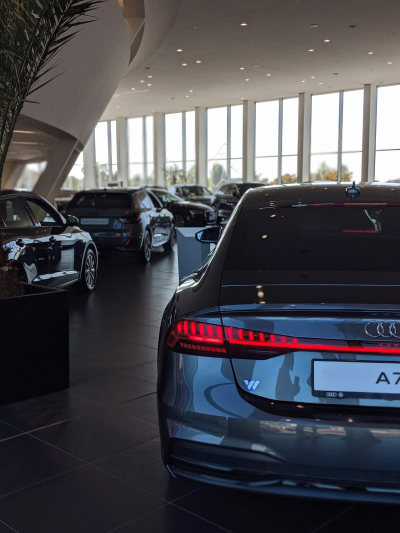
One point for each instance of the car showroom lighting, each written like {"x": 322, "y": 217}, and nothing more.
{"x": 179, "y": 50}
{"x": 390, "y": 62}
{"x": 198, "y": 61}
{"x": 141, "y": 81}
{"x": 303, "y": 81}
{"x": 149, "y": 85}
{"x": 247, "y": 79}
{"x": 320, "y": 83}
{"x": 311, "y": 50}
{"x": 313, "y": 25}
{"x": 312, "y": 77}
{"x": 370, "y": 53}
{"x": 327, "y": 40}
{"x": 268, "y": 74}
{"x": 149, "y": 76}
{"x": 184, "y": 64}
{"x": 244, "y": 24}
{"x": 241, "y": 68}
{"x": 191, "y": 90}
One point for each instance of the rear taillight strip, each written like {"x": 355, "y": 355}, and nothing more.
{"x": 199, "y": 337}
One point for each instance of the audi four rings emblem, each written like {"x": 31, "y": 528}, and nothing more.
{"x": 386, "y": 330}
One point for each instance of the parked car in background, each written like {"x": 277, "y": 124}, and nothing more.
{"x": 192, "y": 193}
{"x": 63, "y": 199}
{"x": 124, "y": 219}
{"x": 49, "y": 249}
{"x": 279, "y": 361}
{"x": 185, "y": 213}
{"x": 226, "y": 197}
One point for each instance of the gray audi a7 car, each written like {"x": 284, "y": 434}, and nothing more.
{"x": 279, "y": 359}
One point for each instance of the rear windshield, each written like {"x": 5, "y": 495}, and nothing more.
{"x": 101, "y": 200}
{"x": 198, "y": 191}
{"x": 244, "y": 187}
{"x": 316, "y": 238}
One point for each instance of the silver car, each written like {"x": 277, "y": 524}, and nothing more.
{"x": 279, "y": 359}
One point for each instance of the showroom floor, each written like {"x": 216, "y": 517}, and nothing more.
{"x": 88, "y": 460}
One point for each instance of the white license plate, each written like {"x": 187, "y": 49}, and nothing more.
{"x": 94, "y": 221}
{"x": 356, "y": 379}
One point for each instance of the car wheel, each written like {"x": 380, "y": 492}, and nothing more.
{"x": 172, "y": 239}
{"x": 88, "y": 279}
{"x": 179, "y": 221}
{"x": 144, "y": 254}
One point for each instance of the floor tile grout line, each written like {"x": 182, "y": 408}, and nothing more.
{"x": 114, "y": 347}
{"x": 204, "y": 519}
{"x": 319, "y": 528}
{"x": 8, "y": 525}
{"x": 43, "y": 481}
{"x": 138, "y": 518}
{"x": 116, "y": 453}
{"x": 114, "y": 371}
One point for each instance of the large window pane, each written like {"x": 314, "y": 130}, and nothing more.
{"x": 191, "y": 171}
{"x": 173, "y": 137}
{"x": 267, "y": 170}
{"x": 236, "y": 133}
{"x": 388, "y": 119}
{"x": 113, "y": 142}
{"x": 353, "y": 109}
{"x": 325, "y": 123}
{"x": 267, "y": 128}
{"x": 236, "y": 169}
{"x": 135, "y": 140}
{"x": 30, "y": 175}
{"x": 217, "y": 133}
{"x": 136, "y": 174}
{"x": 387, "y": 166}
{"x": 323, "y": 167}
{"x": 216, "y": 173}
{"x": 351, "y": 167}
{"x": 149, "y": 140}
{"x": 190, "y": 137}
{"x": 290, "y": 126}
{"x": 150, "y": 173}
{"x": 101, "y": 143}
{"x": 289, "y": 169}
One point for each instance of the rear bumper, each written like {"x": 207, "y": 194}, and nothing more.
{"x": 210, "y": 433}
{"x": 122, "y": 240}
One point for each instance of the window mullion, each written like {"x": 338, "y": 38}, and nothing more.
{"x": 109, "y": 150}
{"x": 340, "y": 138}
{"x": 280, "y": 131}
{"x": 144, "y": 144}
{"x": 184, "y": 141}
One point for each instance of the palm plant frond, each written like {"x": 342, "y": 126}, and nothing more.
{"x": 32, "y": 32}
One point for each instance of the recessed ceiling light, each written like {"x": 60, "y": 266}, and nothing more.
{"x": 244, "y": 24}
{"x": 179, "y": 50}
{"x": 149, "y": 85}
{"x": 311, "y": 50}
{"x": 247, "y": 79}
{"x": 149, "y": 76}
{"x": 312, "y": 77}
{"x": 184, "y": 64}
{"x": 320, "y": 83}
{"x": 241, "y": 68}
{"x": 313, "y": 25}
{"x": 141, "y": 81}
{"x": 187, "y": 96}
{"x": 256, "y": 66}
{"x": 327, "y": 40}
{"x": 133, "y": 88}
{"x": 198, "y": 61}
{"x": 389, "y": 62}
{"x": 303, "y": 81}
{"x": 242, "y": 98}
{"x": 191, "y": 90}
{"x": 370, "y": 53}
{"x": 117, "y": 106}
{"x": 268, "y": 74}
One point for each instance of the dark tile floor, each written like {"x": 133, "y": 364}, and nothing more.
{"x": 87, "y": 459}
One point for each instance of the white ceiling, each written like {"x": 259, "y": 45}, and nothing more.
{"x": 275, "y": 41}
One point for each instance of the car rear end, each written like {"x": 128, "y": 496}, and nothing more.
{"x": 111, "y": 217}
{"x": 289, "y": 380}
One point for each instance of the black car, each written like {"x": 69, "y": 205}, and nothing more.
{"x": 185, "y": 213}
{"x": 49, "y": 248}
{"x": 192, "y": 193}
{"x": 226, "y": 197}
{"x": 124, "y": 219}
{"x": 279, "y": 359}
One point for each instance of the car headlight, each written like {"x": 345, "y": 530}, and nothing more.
{"x": 196, "y": 211}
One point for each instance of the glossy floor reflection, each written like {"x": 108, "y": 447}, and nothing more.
{"x": 87, "y": 460}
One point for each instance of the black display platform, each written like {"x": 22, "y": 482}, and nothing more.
{"x": 34, "y": 344}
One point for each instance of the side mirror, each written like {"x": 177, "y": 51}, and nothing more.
{"x": 71, "y": 220}
{"x": 209, "y": 235}
{"x": 236, "y": 193}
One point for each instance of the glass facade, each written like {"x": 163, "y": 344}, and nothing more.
{"x": 336, "y": 136}
{"x": 105, "y": 136}
{"x": 276, "y": 141}
{"x": 387, "y": 154}
{"x": 180, "y": 148}
{"x": 140, "y": 151}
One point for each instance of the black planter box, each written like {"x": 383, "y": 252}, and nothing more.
{"x": 34, "y": 344}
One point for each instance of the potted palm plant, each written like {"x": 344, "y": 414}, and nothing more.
{"x": 34, "y": 320}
